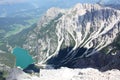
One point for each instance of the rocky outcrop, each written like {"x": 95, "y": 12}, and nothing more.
{"x": 79, "y": 74}
{"x": 66, "y": 74}
{"x": 18, "y": 74}
{"x": 7, "y": 61}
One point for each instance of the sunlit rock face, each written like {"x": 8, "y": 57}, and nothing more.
{"x": 65, "y": 74}
{"x": 85, "y": 26}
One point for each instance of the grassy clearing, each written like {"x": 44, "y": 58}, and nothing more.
{"x": 7, "y": 59}
{"x": 17, "y": 28}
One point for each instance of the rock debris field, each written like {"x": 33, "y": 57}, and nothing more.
{"x": 79, "y": 74}
{"x": 65, "y": 74}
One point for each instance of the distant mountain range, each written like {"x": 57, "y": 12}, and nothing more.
{"x": 9, "y": 9}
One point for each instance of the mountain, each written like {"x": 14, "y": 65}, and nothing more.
{"x": 114, "y": 2}
{"x": 17, "y": 16}
{"x": 111, "y": 3}
{"x": 86, "y": 35}
{"x": 64, "y": 35}
{"x": 9, "y": 9}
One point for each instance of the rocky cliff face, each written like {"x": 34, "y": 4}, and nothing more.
{"x": 77, "y": 32}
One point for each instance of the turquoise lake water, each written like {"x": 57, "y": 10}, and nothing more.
{"x": 23, "y": 58}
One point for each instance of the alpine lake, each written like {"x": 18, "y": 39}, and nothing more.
{"x": 23, "y": 58}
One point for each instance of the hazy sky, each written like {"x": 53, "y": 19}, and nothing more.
{"x": 11, "y": 1}
{"x": 21, "y": 1}
{"x": 48, "y": 2}
{"x": 16, "y": 1}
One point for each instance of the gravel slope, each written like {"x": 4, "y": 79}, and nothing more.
{"x": 66, "y": 74}
{"x": 79, "y": 74}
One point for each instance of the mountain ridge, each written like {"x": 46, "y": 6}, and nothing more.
{"x": 89, "y": 26}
